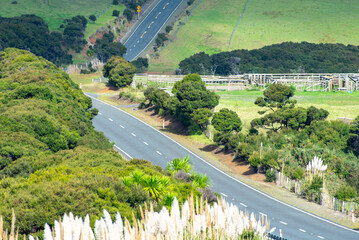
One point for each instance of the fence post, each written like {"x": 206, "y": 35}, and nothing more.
{"x": 343, "y": 207}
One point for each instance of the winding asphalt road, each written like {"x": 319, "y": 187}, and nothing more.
{"x": 136, "y": 139}
{"x": 149, "y": 27}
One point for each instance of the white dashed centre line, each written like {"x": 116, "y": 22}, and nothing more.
{"x": 284, "y": 223}
{"x": 302, "y": 230}
{"x": 122, "y": 126}
{"x": 158, "y": 152}
{"x": 263, "y": 214}
{"x": 133, "y": 134}
{"x": 242, "y": 204}
{"x": 224, "y": 195}
{"x": 320, "y": 237}
{"x": 99, "y": 113}
{"x": 145, "y": 143}
{"x": 110, "y": 119}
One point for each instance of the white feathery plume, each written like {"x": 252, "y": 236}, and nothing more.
{"x": 47, "y": 232}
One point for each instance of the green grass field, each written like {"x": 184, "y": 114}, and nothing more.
{"x": 101, "y": 21}
{"x": 53, "y": 12}
{"x": 265, "y": 22}
{"x": 338, "y": 104}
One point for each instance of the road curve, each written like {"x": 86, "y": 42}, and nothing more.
{"x": 149, "y": 27}
{"x": 136, "y": 139}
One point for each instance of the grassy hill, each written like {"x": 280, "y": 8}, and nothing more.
{"x": 265, "y": 22}
{"x": 54, "y": 12}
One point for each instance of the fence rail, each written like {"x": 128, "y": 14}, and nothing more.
{"x": 301, "y": 81}
{"x": 325, "y": 199}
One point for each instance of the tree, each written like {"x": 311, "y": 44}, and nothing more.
{"x": 119, "y": 72}
{"x": 128, "y": 14}
{"x": 105, "y": 48}
{"x": 276, "y": 96}
{"x": 115, "y": 2}
{"x": 168, "y": 29}
{"x": 115, "y": 13}
{"x": 191, "y": 96}
{"x": 201, "y": 117}
{"x": 353, "y": 141}
{"x": 226, "y": 121}
{"x": 188, "y": 78}
{"x": 92, "y": 17}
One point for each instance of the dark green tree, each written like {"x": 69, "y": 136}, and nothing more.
{"x": 188, "y": 78}
{"x": 226, "y": 120}
{"x": 191, "y": 96}
{"x": 353, "y": 141}
{"x": 115, "y": 13}
{"x": 201, "y": 117}
{"x": 92, "y": 18}
{"x": 119, "y": 72}
{"x": 276, "y": 96}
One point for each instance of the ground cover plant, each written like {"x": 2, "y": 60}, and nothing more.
{"x": 52, "y": 161}
{"x": 264, "y": 23}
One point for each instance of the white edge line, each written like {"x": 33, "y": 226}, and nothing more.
{"x": 284, "y": 223}
{"x": 141, "y": 23}
{"x": 224, "y": 195}
{"x": 229, "y": 176}
{"x": 262, "y": 214}
{"x": 157, "y": 31}
{"x": 128, "y": 155}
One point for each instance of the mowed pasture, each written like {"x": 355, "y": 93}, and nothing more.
{"x": 338, "y": 104}
{"x": 265, "y": 22}
{"x": 54, "y": 12}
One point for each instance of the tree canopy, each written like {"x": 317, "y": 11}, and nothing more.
{"x": 277, "y": 58}
{"x": 119, "y": 72}
{"x": 226, "y": 120}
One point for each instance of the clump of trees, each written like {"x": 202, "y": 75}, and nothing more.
{"x": 190, "y": 104}
{"x": 73, "y": 34}
{"x": 31, "y": 33}
{"x": 119, "y": 72}
{"x": 105, "y": 48}
{"x": 294, "y": 136}
{"x": 277, "y": 58}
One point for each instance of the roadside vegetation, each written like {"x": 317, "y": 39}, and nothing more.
{"x": 53, "y": 161}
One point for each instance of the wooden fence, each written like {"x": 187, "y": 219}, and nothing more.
{"x": 301, "y": 81}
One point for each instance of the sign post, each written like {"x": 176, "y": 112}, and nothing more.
{"x": 353, "y": 215}
{"x": 138, "y": 11}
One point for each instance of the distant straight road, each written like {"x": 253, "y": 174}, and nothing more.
{"x": 136, "y": 139}
{"x": 149, "y": 27}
